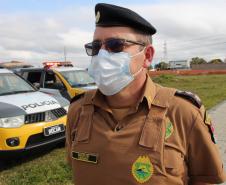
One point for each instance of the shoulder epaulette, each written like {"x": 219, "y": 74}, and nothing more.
{"x": 76, "y": 97}
{"x": 193, "y": 98}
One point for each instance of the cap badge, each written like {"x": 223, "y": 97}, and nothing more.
{"x": 169, "y": 129}
{"x": 142, "y": 169}
{"x": 97, "y": 17}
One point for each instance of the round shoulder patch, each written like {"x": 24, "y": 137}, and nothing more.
{"x": 142, "y": 169}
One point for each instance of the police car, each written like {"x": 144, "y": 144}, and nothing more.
{"x": 59, "y": 78}
{"x": 28, "y": 118}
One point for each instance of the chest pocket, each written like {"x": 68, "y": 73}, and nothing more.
{"x": 173, "y": 161}
{"x": 153, "y": 135}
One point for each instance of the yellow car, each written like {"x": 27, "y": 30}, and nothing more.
{"x": 28, "y": 118}
{"x": 76, "y": 80}
{"x": 64, "y": 81}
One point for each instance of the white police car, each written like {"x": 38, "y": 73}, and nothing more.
{"x": 28, "y": 118}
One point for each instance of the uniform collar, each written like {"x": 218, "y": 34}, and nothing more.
{"x": 149, "y": 93}
{"x": 100, "y": 101}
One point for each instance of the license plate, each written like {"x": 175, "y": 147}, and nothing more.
{"x": 54, "y": 130}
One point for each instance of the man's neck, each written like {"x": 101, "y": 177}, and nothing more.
{"x": 130, "y": 95}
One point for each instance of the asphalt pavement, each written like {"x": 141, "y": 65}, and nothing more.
{"x": 218, "y": 115}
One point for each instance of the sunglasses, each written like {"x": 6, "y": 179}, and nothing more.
{"x": 113, "y": 45}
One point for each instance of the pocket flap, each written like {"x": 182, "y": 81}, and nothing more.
{"x": 151, "y": 136}
{"x": 84, "y": 126}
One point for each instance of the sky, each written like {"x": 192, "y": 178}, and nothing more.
{"x": 35, "y": 31}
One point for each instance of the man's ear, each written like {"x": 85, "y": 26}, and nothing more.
{"x": 149, "y": 53}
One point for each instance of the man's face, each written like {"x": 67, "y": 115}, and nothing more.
{"x": 104, "y": 33}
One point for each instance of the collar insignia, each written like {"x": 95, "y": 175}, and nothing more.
{"x": 142, "y": 169}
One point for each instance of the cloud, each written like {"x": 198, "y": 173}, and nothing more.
{"x": 33, "y": 37}
{"x": 189, "y": 28}
{"x": 75, "y": 38}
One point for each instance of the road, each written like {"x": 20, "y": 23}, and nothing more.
{"x": 218, "y": 114}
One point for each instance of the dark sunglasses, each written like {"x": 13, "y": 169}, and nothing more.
{"x": 113, "y": 45}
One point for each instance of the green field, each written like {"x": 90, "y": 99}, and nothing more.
{"x": 51, "y": 168}
{"x": 210, "y": 88}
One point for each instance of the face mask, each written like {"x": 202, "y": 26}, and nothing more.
{"x": 111, "y": 71}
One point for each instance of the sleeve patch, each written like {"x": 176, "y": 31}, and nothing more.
{"x": 193, "y": 98}
{"x": 207, "y": 119}
{"x": 208, "y": 122}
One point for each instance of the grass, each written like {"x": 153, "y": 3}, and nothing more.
{"x": 210, "y": 88}
{"x": 47, "y": 168}
{"x": 50, "y": 168}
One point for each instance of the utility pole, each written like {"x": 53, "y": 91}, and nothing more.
{"x": 65, "y": 54}
{"x": 165, "y": 57}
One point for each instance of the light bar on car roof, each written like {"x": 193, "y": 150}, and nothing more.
{"x": 57, "y": 64}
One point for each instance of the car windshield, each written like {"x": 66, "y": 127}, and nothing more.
{"x": 78, "y": 78}
{"x": 12, "y": 84}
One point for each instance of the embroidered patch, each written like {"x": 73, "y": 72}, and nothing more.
{"x": 207, "y": 118}
{"x": 169, "y": 129}
{"x": 142, "y": 169}
{"x": 97, "y": 17}
{"x": 208, "y": 122}
{"x": 86, "y": 157}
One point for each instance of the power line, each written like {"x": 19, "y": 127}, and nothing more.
{"x": 209, "y": 37}
{"x": 195, "y": 47}
{"x": 192, "y": 47}
{"x": 204, "y": 38}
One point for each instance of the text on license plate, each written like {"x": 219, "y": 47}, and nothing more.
{"x": 54, "y": 130}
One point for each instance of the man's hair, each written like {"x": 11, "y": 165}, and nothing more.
{"x": 144, "y": 37}
{"x": 147, "y": 39}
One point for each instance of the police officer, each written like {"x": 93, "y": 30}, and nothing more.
{"x": 132, "y": 131}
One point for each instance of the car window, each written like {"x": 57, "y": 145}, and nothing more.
{"x": 77, "y": 78}
{"x": 52, "y": 81}
{"x": 12, "y": 84}
{"x": 32, "y": 76}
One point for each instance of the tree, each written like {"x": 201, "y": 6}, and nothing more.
{"x": 162, "y": 66}
{"x": 197, "y": 60}
{"x": 216, "y": 61}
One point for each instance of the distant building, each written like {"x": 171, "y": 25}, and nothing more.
{"x": 179, "y": 64}
{"x": 208, "y": 66}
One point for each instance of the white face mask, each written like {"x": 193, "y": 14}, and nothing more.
{"x": 111, "y": 71}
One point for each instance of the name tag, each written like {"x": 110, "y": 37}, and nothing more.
{"x": 86, "y": 157}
